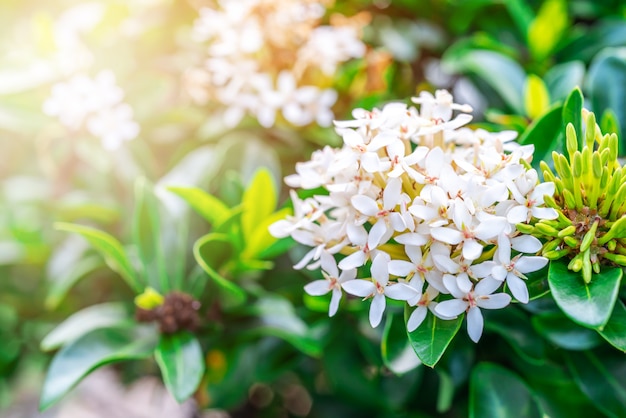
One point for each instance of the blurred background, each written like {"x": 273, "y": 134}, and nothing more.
{"x": 96, "y": 94}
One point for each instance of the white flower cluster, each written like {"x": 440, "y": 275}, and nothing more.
{"x": 267, "y": 56}
{"x": 96, "y": 104}
{"x": 427, "y": 208}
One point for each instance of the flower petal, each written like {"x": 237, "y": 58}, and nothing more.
{"x": 334, "y": 302}
{"x": 497, "y": 301}
{"x": 353, "y": 261}
{"x": 451, "y": 308}
{"x": 517, "y": 214}
{"x": 416, "y": 318}
{"x": 544, "y": 213}
{"x": 401, "y": 268}
{"x": 529, "y": 264}
{"x": 518, "y": 287}
{"x": 526, "y": 244}
{"x": 472, "y": 249}
{"x": 486, "y": 286}
{"x": 377, "y": 308}
{"x": 359, "y": 287}
{"x": 474, "y": 324}
{"x": 317, "y": 288}
{"x": 447, "y": 235}
{"x": 401, "y": 291}
{"x": 365, "y": 204}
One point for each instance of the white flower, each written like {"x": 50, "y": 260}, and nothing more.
{"x": 481, "y": 296}
{"x": 530, "y": 195}
{"x": 113, "y": 126}
{"x": 333, "y": 281}
{"x": 379, "y": 288}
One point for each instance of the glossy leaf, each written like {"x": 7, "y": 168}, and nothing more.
{"x": 431, "y": 339}
{"x": 572, "y": 109}
{"x": 588, "y": 305}
{"x": 110, "y": 248}
{"x": 209, "y": 207}
{"x": 497, "y": 392}
{"x": 95, "y": 349}
{"x": 595, "y": 381}
{"x": 536, "y": 96}
{"x": 559, "y": 330}
{"x": 513, "y": 326}
{"x": 546, "y": 29}
{"x": 509, "y": 83}
{"x": 615, "y": 330}
{"x": 259, "y": 201}
{"x": 396, "y": 351}
{"x": 203, "y": 250}
{"x": 80, "y": 323}
{"x": 181, "y": 361}
{"x": 544, "y": 133}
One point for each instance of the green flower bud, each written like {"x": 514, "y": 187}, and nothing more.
{"x": 571, "y": 241}
{"x": 570, "y": 230}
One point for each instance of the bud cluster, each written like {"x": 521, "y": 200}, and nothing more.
{"x": 178, "y": 311}
{"x": 590, "y": 200}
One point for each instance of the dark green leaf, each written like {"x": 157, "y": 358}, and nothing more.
{"x": 97, "y": 348}
{"x": 559, "y": 330}
{"x": 544, "y": 133}
{"x": 589, "y": 305}
{"x": 396, "y": 351}
{"x": 521, "y": 13}
{"x": 572, "y": 114}
{"x": 205, "y": 250}
{"x": 497, "y": 392}
{"x": 615, "y": 330}
{"x": 181, "y": 361}
{"x": 432, "y": 337}
{"x": 209, "y": 207}
{"x": 604, "y": 34}
{"x": 513, "y": 325}
{"x": 110, "y": 248}
{"x": 80, "y": 323}
{"x": 595, "y": 381}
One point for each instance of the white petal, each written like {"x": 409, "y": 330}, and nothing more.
{"x": 499, "y": 272}
{"x": 379, "y": 268}
{"x": 365, "y": 204}
{"x": 450, "y": 282}
{"x": 317, "y": 288}
{"x": 541, "y": 190}
{"x": 517, "y": 214}
{"x": 356, "y": 234}
{"x": 474, "y": 324}
{"x": 400, "y": 291}
{"x": 329, "y": 265}
{"x": 391, "y": 195}
{"x": 451, "y": 308}
{"x": 401, "y": 268}
{"x": 416, "y": 318}
{"x": 483, "y": 269}
{"x": 497, "y": 301}
{"x": 370, "y": 162}
{"x": 334, "y": 302}
{"x": 423, "y": 212}
{"x": 447, "y": 235}
{"x": 472, "y": 249}
{"x": 464, "y": 283}
{"x": 412, "y": 238}
{"x": 359, "y": 287}
{"x": 528, "y": 264}
{"x": 518, "y": 287}
{"x": 544, "y": 213}
{"x": 353, "y": 261}
{"x": 377, "y": 309}
{"x": 486, "y": 286}
{"x": 526, "y": 244}
{"x": 491, "y": 228}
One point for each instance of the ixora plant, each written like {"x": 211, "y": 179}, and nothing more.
{"x": 417, "y": 208}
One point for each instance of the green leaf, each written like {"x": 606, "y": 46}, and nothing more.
{"x": 181, "y": 361}
{"x": 59, "y": 286}
{"x": 562, "y": 78}
{"x": 547, "y": 28}
{"x": 497, "y": 392}
{"x": 209, "y": 207}
{"x": 544, "y": 133}
{"x": 204, "y": 251}
{"x": 259, "y": 201}
{"x": 521, "y": 13}
{"x": 110, "y": 248}
{"x": 147, "y": 235}
{"x": 260, "y": 239}
{"x": 97, "y": 348}
{"x": 589, "y": 305}
{"x": 595, "y": 381}
{"x": 396, "y": 351}
{"x": 606, "y": 85}
{"x": 432, "y": 337}
{"x": 559, "y": 330}
{"x": 572, "y": 113}
{"x": 536, "y": 96}
{"x": 509, "y": 82}
{"x": 609, "y": 123}
{"x": 513, "y": 326}
{"x": 615, "y": 330}
{"x": 104, "y": 315}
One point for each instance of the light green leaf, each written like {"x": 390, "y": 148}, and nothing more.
{"x": 609, "y": 123}
{"x": 110, "y": 248}
{"x": 259, "y": 201}
{"x": 562, "y": 78}
{"x": 395, "y": 348}
{"x": 559, "y": 330}
{"x": 595, "y": 381}
{"x": 97, "y": 348}
{"x": 589, "y": 305}
{"x": 205, "y": 250}
{"x": 181, "y": 361}
{"x": 547, "y": 28}
{"x": 261, "y": 239}
{"x": 572, "y": 114}
{"x": 536, "y": 96}
{"x": 80, "y": 323}
{"x": 615, "y": 330}
{"x": 497, "y": 392}
{"x": 431, "y": 339}
{"x": 209, "y": 207}
{"x": 59, "y": 286}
